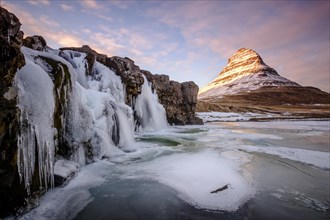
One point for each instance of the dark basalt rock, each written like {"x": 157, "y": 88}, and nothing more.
{"x": 35, "y": 42}
{"x": 11, "y": 59}
{"x": 178, "y": 99}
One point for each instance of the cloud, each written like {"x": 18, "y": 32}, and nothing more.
{"x": 92, "y": 4}
{"x": 104, "y": 17}
{"x": 66, "y": 40}
{"x": 66, "y": 7}
{"x": 39, "y": 2}
{"x": 49, "y": 22}
{"x": 121, "y": 4}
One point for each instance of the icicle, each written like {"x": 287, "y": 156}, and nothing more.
{"x": 36, "y": 134}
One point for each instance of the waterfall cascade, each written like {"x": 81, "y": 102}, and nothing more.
{"x": 97, "y": 123}
{"x": 150, "y": 112}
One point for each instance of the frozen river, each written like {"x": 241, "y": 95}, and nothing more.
{"x": 272, "y": 170}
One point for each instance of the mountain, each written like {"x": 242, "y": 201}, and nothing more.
{"x": 247, "y": 84}
{"x": 245, "y": 71}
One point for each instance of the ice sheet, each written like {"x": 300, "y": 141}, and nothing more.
{"x": 230, "y": 116}
{"x": 316, "y": 158}
{"x": 195, "y": 175}
{"x": 67, "y": 202}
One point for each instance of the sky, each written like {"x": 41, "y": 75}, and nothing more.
{"x": 190, "y": 40}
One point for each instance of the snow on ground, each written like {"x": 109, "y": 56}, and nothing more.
{"x": 305, "y": 125}
{"x": 230, "y": 116}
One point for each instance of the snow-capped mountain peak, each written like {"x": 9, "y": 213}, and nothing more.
{"x": 244, "y": 72}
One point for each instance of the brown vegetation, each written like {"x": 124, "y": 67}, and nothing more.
{"x": 290, "y": 102}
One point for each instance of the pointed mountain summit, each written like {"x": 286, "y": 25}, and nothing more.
{"x": 247, "y": 84}
{"x": 245, "y": 71}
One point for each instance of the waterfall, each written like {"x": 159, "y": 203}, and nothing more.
{"x": 98, "y": 115}
{"x": 151, "y": 114}
{"x": 97, "y": 123}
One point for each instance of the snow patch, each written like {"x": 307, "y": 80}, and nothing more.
{"x": 230, "y": 116}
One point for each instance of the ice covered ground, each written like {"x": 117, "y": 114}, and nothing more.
{"x": 195, "y": 175}
{"x": 231, "y": 116}
{"x": 259, "y": 161}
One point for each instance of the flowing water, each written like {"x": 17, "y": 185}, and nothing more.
{"x": 274, "y": 170}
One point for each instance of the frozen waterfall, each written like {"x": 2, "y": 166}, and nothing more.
{"x": 97, "y": 123}
{"x": 150, "y": 112}
{"x": 36, "y": 133}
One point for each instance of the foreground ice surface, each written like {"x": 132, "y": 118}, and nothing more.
{"x": 67, "y": 202}
{"x": 196, "y": 175}
{"x": 195, "y": 160}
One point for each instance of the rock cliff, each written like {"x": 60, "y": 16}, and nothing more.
{"x": 11, "y": 59}
{"x": 179, "y": 99}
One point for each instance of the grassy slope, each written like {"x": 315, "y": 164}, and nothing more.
{"x": 298, "y": 101}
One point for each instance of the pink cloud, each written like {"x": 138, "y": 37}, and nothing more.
{"x": 92, "y": 4}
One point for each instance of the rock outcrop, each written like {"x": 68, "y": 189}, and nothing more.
{"x": 11, "y": 59}
{"x": 178, "y": 99}
{"x": 35, "y": 42}
{"x": 245, "y": 71}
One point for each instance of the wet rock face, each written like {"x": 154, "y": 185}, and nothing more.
{"x": 178, "y": 99}
{"x": 11, "y": 59}
{"x": 10, "y": 29}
